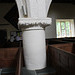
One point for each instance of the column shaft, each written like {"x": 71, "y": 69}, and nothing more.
{"x": 34, "y": 48}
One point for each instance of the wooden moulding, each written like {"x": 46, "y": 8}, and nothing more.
{"x": 19, "y": 61}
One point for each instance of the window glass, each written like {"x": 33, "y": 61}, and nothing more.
{"x": 63, "y": 28}
{"x": 67, "y": 28}
{"x": 58, "y": 28}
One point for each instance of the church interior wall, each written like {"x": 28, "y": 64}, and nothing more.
{"x": 57, "y": 11}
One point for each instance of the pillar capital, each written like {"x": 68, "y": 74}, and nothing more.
{"x": 32, "y": 22}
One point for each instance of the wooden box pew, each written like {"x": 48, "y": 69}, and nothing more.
{"x": 62, "y": 57}
{"x": 8, "y": 60}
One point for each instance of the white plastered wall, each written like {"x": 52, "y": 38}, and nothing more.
{"x": 59, "y": 11}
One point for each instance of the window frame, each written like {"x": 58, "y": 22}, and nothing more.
{"x": 71, "y": 31}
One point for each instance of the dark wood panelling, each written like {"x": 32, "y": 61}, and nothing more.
{"x": 8, "y": 57}
{"x": 62, "y": 58}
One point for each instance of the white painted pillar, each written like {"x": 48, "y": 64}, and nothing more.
{"x": 33, "y": 29}
{"x": 34, "y": 48}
